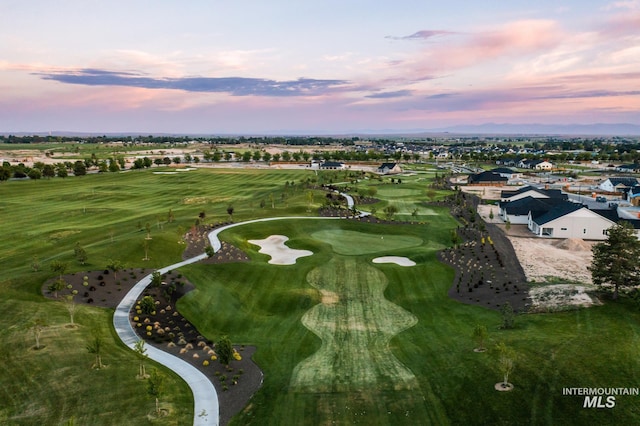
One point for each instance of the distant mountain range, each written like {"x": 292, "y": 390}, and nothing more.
{"x": 598, "y": 129}
{"x": 601, "y": 129}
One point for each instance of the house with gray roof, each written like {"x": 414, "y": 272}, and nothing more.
{"x": 531, "y": 191}
{"x": 389, "y": 168}
{"x": 618, "y": 184}
{"x": 569, "y": 220}
{"x": 487, "y": 179}
{"x": 517, "y": 212}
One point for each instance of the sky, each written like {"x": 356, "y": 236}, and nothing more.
{"x": 311, "y": 66}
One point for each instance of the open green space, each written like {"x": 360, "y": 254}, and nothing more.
{"x": 399, "y": 320}
{"x": 354, "y": 243}
{"x": 107, "y": 214}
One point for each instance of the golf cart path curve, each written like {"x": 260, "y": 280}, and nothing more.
{"x": 205, "y": 398}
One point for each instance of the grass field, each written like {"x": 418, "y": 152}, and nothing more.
{"x": 412, "y": 344}
{"x": 107, "y": 215}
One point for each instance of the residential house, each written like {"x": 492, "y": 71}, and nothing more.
{"x": 633, "y": 196}
{"x": 618, "y": 184}
{"x": 530, "y": 191}
{"x": 628, "y": 168}
{"x": 543, "y": 165}
{"x": 505, "y": 172}
{"x": 528, "y": 163}
{"x": 332, "y": 165}
{"x": 569, "y": 220}
{"x": 487, "y": 179}
{"x": 517, "y": 212}
{"x": 389, "y": 168}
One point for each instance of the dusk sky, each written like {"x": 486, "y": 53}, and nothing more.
{"x": 310, "y": 66}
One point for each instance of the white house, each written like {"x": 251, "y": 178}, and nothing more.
{"x": 618, "y": 184}
{"x": 389, "y": 168}
{"x": 517, "y": 212}
{"x": 569, "y": 220}
{"x": 543, "y": 165}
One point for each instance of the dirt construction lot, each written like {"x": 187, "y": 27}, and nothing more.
{"x": 543, "y": 259}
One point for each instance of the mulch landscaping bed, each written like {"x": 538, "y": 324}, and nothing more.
{"x": 236, "y": 384}
{"x": 488, "y": 272}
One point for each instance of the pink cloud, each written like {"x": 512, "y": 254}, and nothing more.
{"x": 621, "y": 25}
{"x": 518, "y": 38}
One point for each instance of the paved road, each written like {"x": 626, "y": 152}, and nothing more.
{"x": 205, "y": 398}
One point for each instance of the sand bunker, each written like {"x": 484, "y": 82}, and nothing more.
{"x": 176, "y": 171}
{"x": 398, "y": 260}
{"x": 280, "y": 254}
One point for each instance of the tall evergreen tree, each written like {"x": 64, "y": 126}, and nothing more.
{"x": 615, "y": 261}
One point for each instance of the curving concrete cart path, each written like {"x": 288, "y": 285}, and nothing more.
{"x": 205, "y": 398}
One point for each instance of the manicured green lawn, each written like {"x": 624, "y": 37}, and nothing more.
{"x": 270, "y": 306}
{"x": 107, "y": 215}
{"x": 424, "y": 374}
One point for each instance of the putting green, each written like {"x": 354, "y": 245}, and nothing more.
{"x": 356, "y": 243}
{"x": 355, "y": 323}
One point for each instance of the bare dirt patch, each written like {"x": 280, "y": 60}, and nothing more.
{"x": 545, "y": 259}
{"x": 559, "y": 297}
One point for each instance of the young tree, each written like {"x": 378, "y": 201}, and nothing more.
{"x": 141, "y": 353}
{"x": 615, "y": 261}
{"x": 56, "y": 286}
{"x": 95, "y": 347}
{"x": 58, "y": 267}
{"x": 230, "y": 212}
{"x": 506, "y": 363}
{"x": 115, "y": 266}
{"x": 80, "y": 253}
{"x": 224, "y": 350}
{"x": 36, "y": 327}
{"x": 508, "y": 316}
{"x": 390, "y": 211}
{"x": 71, "y": 306}
{"x": 480, "y": 335}
{"x": 155, "y": 387}
{"x": 145, "y": 247}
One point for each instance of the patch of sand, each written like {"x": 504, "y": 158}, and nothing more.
{"x": 553, "y": 297}
{"x": 543, "y": 259}
{"x": 398, "y": 260}
{"x": 275, "y": 247}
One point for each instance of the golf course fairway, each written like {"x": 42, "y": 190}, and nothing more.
{"x": 355, "y": 323}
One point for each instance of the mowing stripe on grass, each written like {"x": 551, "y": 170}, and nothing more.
{"x": 355, "y": 323}
{"x": 356, "y": 243}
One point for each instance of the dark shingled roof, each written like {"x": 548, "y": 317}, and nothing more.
{"x": 551, "y": 193}
{"x": 487, "y": 177}
{"x": 626, "y": 181}
{"x": 504, "y": 170}
{"x": 331, "y": 164}
{"x": 556, "y": 212}
{"x": 536, "y": 206}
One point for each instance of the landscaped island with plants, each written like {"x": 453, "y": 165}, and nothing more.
{"x": 333, "y": 337}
